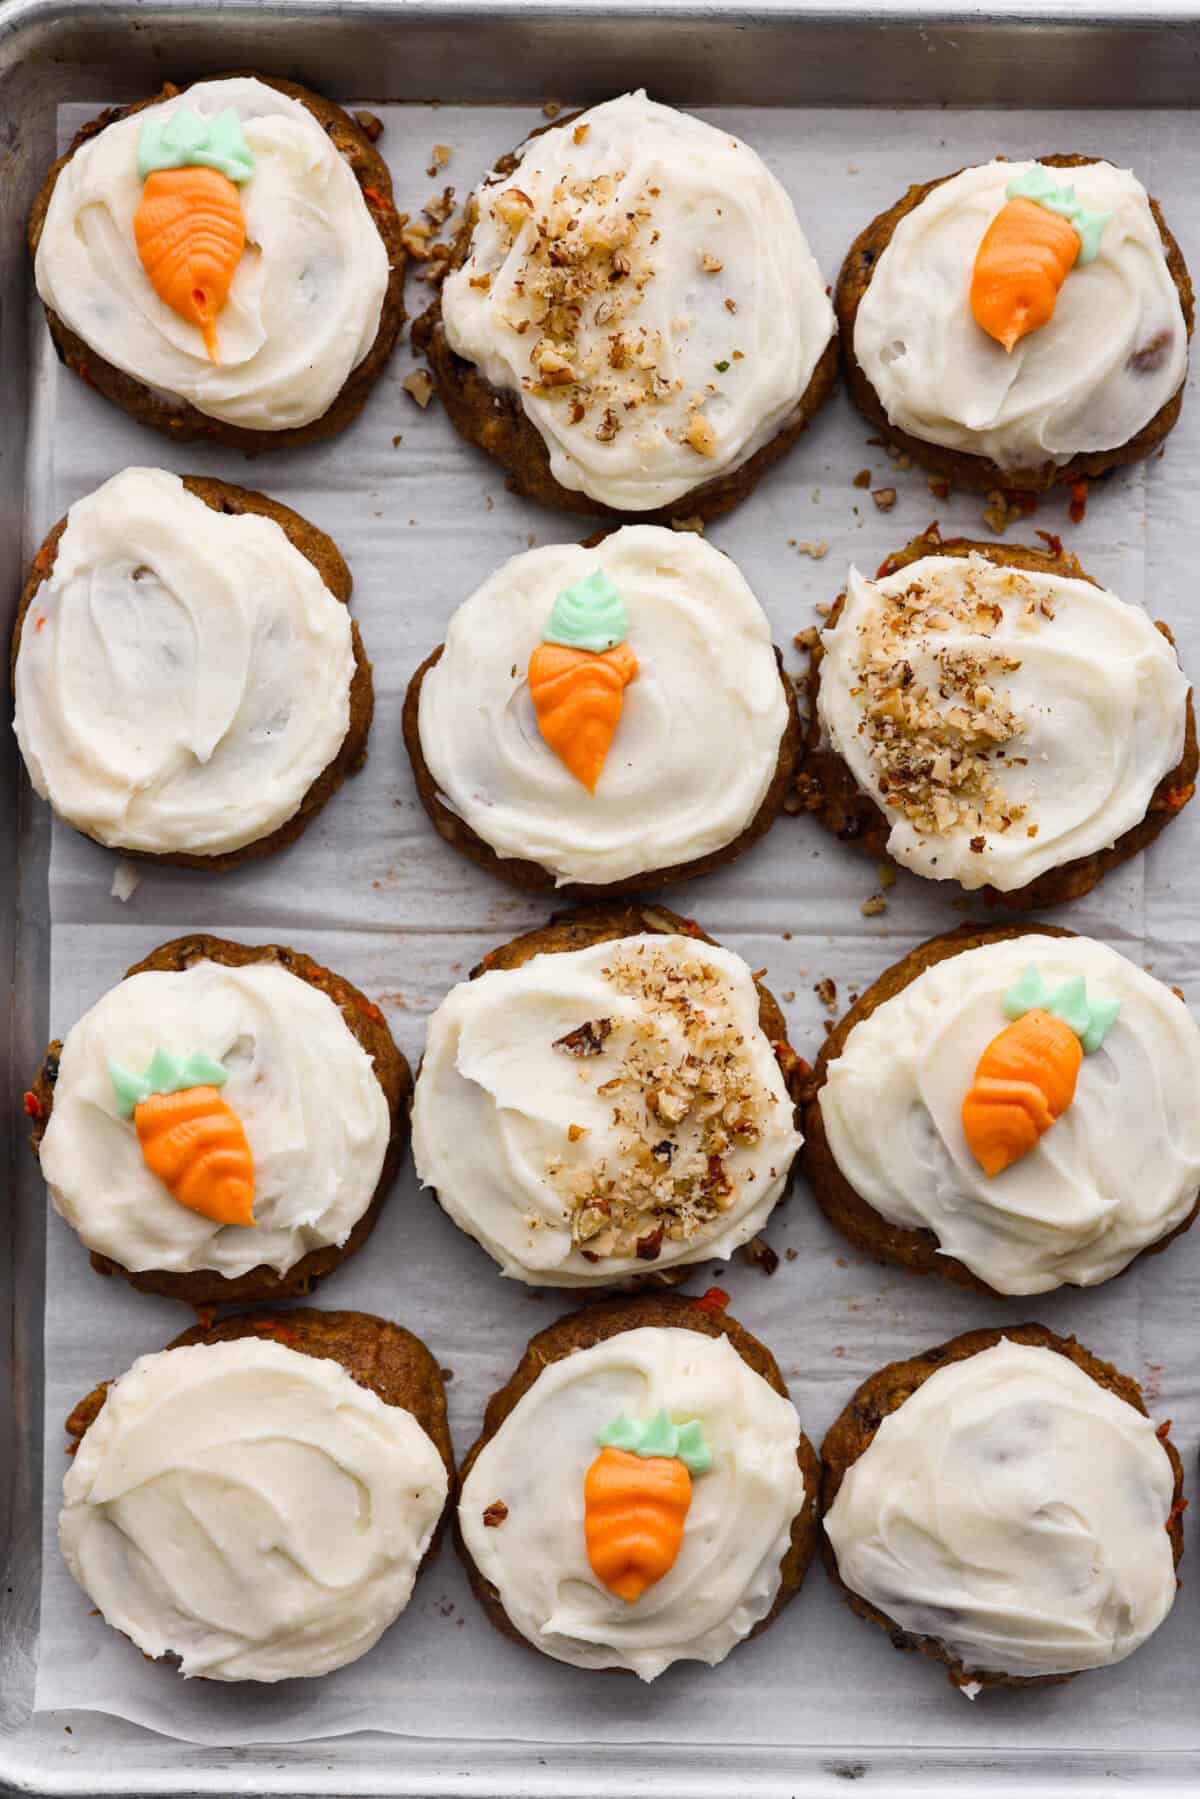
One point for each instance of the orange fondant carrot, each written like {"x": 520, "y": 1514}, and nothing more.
{"x": 196, "y": 1145}
{"x": 1026, "y": 254}
{"x": 190, "y": 233}
{"x": 578, "y": 696}
{"x": 1024, "y": 1080}
{"x": 633, "y": 1518}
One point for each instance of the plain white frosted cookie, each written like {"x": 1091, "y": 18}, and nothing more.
{"x": 1014, "y": 1510}
{"x": 249, "y": 1509}
{"x": 183, "y": 676}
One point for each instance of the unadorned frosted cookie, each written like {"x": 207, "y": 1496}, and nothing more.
{"x": 190, "y": 687}
{"x": 607, "y": 718}
{"x": 256, "y": 1501}
{"x": 633, "y": 323}
{"x": 642, "y": 1493}
{"x": 224, "y": 1124}
{"x": 1003, "y": 1504}
{"x": 989, "y": 715}
{"x": 1020, "y": 323}
{"x": 606, "y": 1099}
{"x": 1014, "y": 1109}
{"x": 223, "y": 261}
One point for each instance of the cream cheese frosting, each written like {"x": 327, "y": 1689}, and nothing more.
{"x": 307, "y": 295}
{"x": 1005, "y": 721}
{"x": 184, "y": 674}
{"x": 249, "y": 1509}
{"x": 738, "y": 1528}
{"x": 1015, "y": 1510}
{"x": 604, "y": 1111}
{"x": 698, "y": 741}
{"x": 314, "y": 1114}
{"x": 641, "y": 283}
{"x": 1113, "y": 353}
{"x": 1117, "y": 1171}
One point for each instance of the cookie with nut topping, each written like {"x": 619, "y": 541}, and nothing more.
{"x": 633, "y": 323}
{"x": 989, "y": 715}
{"x": 607, "y": 1099}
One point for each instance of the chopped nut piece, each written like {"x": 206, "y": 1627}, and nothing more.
{"x": 826, "y": 991}
{"x": 575, "y": 1132}
{"x": 587, "y": 1039}
{"x": 712, "y": 265}
{"x": 370, "y": 125}
{"x": 939, "y": 488}
{"x": 863, "y": 478}
{"x": 580, "y": 133}
{"x": 513, "y": 207}
{"x": 871, "y": 908}
{"x": 815, "y": 550}
{"x": 884, "y": 498}
{"x": 419, "y": 385}
{"x": 759, "y": 1254}
{"x": 650, "y": 1246}
{"x": 978, "y": 845}
{"x": 731, "y": 306}
{"x": 701, "y": 435}
{"x": 495, "y": 1514}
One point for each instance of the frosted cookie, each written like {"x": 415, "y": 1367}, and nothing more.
{"x": 642, "y": 1492}
{"x": 989, "y": 715}
{"x": 224, "y": 1124}
{"x": 256, "y": 1501}
{"x": 1015, "y": 1109}
{"x": 219, "y": 620}
{"x": 606, "y": 718}
{"x": 633, "y": 322}
{"x": 223, "y": 261}
{"x": 605, "y": 1099}
{"x": 1003, "y": 1504}
{"x": 1019, "y": 323}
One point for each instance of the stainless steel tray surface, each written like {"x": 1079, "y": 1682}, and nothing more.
{"x": 821, "y": 1699}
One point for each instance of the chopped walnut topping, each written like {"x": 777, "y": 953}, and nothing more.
{"x": 588, "y": 1040}
{"x": 937, "y": 738}
{"x": 884, "y": 498}
{"x": 863, "y": 478}
{"x": 495, "y": 1514}
{"x": 701, "y": 435}
{"x": 686, "y": 1098}
{"x": 712, "y": 265}
{"x": 579, "y": 135}
{"x": 419, "y": 385}
{"x": 575, "y": 1132}
{"x": 871, "y": 908}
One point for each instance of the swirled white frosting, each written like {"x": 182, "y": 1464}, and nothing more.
{"x": 1114, "y": 352}
{"x": 306, "y": 296}
{"x": 531, "y": 1147}
{"x": 698, "y": 741}
{"x": 250, "y": 1509}
{"x": 1014, "y": 1509}
{"x": 721, "y": 310}
{"x": 1116, "y": 1172}
{"x": 1098, "y": 697}
{"x": 184, "y": 674}
{"x": 726, "y": 1575}
{"x": 305, "y": 1090}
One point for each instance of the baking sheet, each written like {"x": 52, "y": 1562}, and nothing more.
{"x": 372, "y": 891}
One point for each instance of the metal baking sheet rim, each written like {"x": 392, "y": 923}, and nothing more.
{"x": 51, "y": 51}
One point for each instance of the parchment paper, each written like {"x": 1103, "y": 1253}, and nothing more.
{"x": 371, "y": 890}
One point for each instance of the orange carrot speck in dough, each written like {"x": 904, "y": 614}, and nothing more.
{"x": 578, "y": 696}
{"x": 195, "y": 1143}
{"x": 1024, "y": 1080}
{"x": 633, "y": 1518}
{"x": 190, "y": 233}
{"x": 1026, "y": 254}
